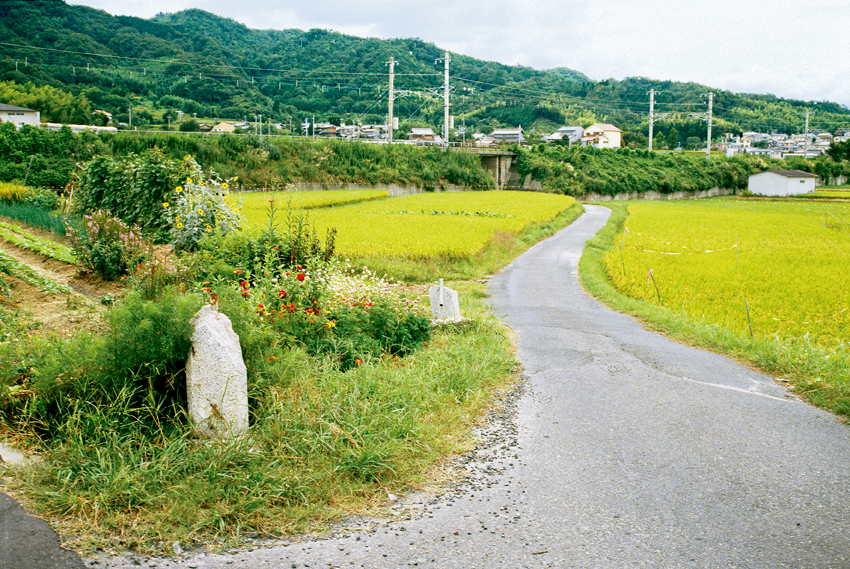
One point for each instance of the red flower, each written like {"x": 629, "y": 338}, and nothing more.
{"x": 299, "y": 267}
{"x": 309, "y": 311}
{"x": 243, "y": 284}
{"x": 358, "y": 361}
{"x": 301, "y": 277}
{"x": 238, "y": 271}
{"x": 282, "y": 294}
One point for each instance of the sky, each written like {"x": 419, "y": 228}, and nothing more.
{"x": 794, "y": 49}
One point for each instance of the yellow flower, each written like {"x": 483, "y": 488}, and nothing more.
{"x": 179, "y": 226}
{"x": 188, "y": 180}
{"x": 235, "y": 178}
{"x": 331, "y": 324}
{"x": 164, "y": 204}
{"x": 176, "y": 218}
{"x": 209, "y": 228}
{"x": 187, "y": 157}
{"x": 224, "y": 185}
{"x": 200, "y": 211}
{"x": 178, "y": 189}
{"x": 200, "y": 182}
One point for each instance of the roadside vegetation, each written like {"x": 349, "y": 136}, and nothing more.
{"x": 353, "y": 394}
{"x": 762, "y": 281}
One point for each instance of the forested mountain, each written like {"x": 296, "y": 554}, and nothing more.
{"x": 67, "y": 61}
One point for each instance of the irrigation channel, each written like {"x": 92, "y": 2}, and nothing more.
{"x": 622, "y": 449}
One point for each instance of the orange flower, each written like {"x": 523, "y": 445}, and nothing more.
{"x": 358, "y": 361}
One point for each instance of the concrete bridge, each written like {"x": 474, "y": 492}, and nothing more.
{"x": 501, "y": 163}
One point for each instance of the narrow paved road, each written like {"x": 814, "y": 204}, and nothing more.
{"x": 629, "y": 451}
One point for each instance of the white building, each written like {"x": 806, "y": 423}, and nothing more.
{"x": 508, "y": 135}
{"x": 602, "y": 135}
{"x": 19, "y": 116}
{"x": 571, "y": 133}
{"x": 782, "y": 183}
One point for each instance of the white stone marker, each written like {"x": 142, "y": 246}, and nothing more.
{"x": 216, "y": 378}
{"x": 444, "y": 303}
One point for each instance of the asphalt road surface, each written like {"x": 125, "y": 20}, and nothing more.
{"x": 623, "y": 450}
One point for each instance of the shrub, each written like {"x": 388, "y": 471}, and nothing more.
{"x": 45, "y": 199}
{"x": 133, "y": 188}
{"x": 106, "y": 245}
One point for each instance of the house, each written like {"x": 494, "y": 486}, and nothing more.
{"x": 782, "y": 183}
{"x": 602, "y": 135}
{"x": 569, "y": 133}
{"x": 204, "y": 127}
{"x": 19, "y": 116}
{"x": 223, "y": 127}
{"x": 508, "y": 135}
{"x": 424, "y": 136}
{"x": 483, "y": 140}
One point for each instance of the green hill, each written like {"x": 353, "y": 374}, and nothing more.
{"x": 71, "y": 60}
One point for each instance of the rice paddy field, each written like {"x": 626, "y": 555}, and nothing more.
{"x": 784, "y": 262}
{"x": 254, "y": 203}
{"x": 449, "y": 225}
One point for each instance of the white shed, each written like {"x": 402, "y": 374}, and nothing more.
{"x": 782, "y": 183}
{"x": 19, "y": 116}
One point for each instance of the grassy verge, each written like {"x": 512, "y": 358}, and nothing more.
{"x": 821, "y": 376}
{"x": 324, "y": 443}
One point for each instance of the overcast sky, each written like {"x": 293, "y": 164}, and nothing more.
{"x": 791, "y": 48}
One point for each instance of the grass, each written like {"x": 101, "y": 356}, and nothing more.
{"x": 819, "y": 374}
{"x": 34, "y": 215}
{"x": 324, "y": 444}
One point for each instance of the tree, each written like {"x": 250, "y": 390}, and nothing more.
{"x": 673, "y": 139}
{"x": 190, "y": 125}
{"x": 693, "y": 143}
{"x": 839, "y": 151}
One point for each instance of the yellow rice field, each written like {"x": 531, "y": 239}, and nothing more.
{"x": 254, "y": 204}
{"x": 788, "y": 261}
{"x": 448, "y": 225}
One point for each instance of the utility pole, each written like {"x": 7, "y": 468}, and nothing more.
{"x": 708, "y": 116}
{"x": 651, "y": 115}
{"x": 392, "y": 98}
{"x": 446, "y": 60}
{"x": 806, "y": 144}
{"x": 130, "y": 120}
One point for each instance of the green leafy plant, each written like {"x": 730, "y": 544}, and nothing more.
{"x": 201, "y": 207}
{"x": 107, "y": 245}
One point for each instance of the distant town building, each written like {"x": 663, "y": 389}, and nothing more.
{"x": 424, "y": 136}
{"x": 79, "y": 127}
{"x": 782, "y": 183}
{"x": 223, "y": 127}
{"x": 569, "y": 133}
{"x": 19, "y": 116}
{"x": 508, "y": 135}
{"x": 602, "y": 135}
